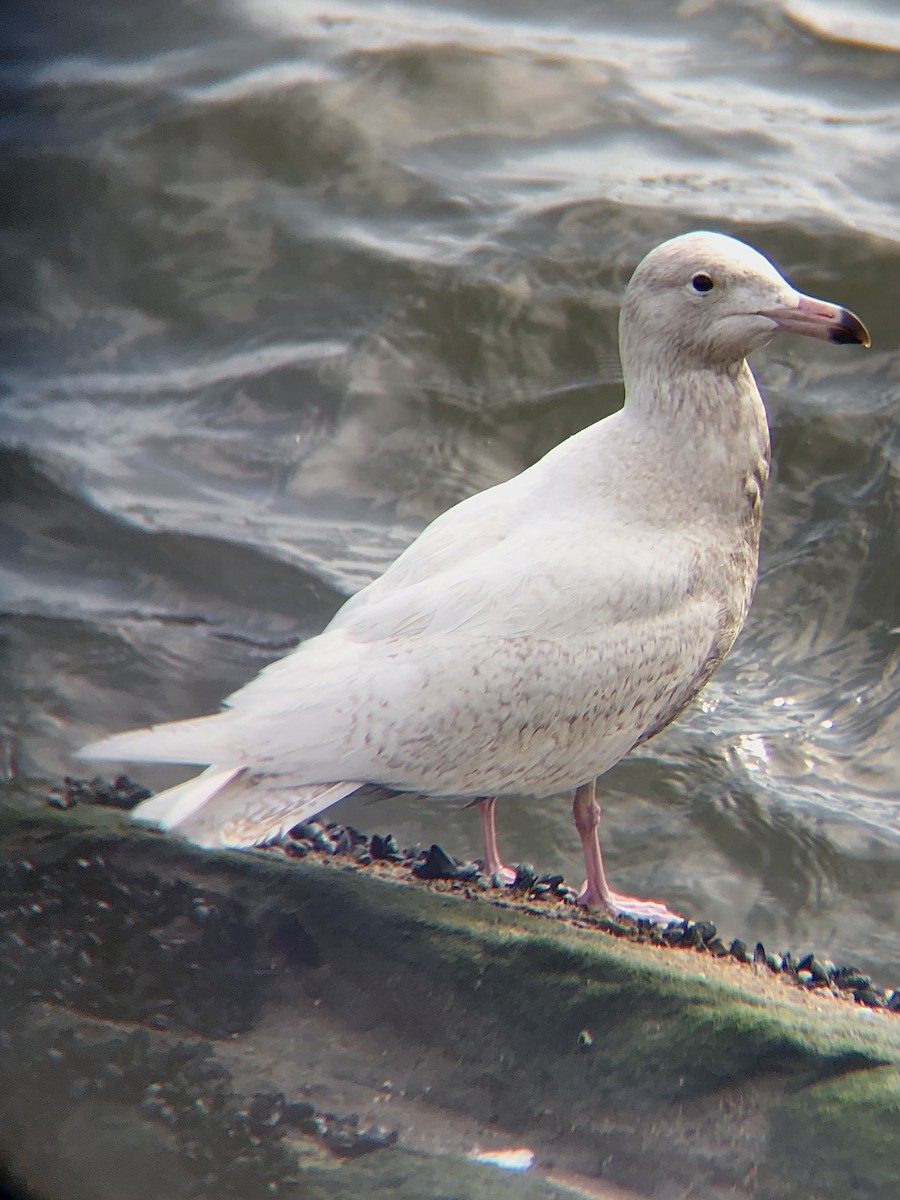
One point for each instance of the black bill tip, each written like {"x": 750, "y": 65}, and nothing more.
{"x": 849, "y": 330}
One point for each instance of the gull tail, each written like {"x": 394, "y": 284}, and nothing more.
{"x": 231, "y": 806}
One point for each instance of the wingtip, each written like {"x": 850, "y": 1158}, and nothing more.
{"x": 91, "y": 750}
{"x": 111, "y": 748}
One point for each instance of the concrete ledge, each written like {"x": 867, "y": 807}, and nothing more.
{"x": 618, "y": 1063}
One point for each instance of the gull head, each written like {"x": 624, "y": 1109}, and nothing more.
{"x": 704, "y": 301}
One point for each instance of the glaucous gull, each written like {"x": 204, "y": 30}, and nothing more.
{"x": 535, "y": 633}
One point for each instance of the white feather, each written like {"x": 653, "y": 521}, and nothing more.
{"x": 248, "y": 810}
{"x": 169, "y": 808}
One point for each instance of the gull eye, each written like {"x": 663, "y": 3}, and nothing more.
{"x": 702, "y": 282}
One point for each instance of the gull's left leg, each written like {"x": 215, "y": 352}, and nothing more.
{"x": 493, "y": 864}
{"x": 596, "y": 892}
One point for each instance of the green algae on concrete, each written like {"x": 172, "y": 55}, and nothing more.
{"x": 402, "y": 1175}
{"x": 853, "y": 1121}
{"x": 643, "y": 1065}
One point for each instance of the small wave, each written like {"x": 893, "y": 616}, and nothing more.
{"x": 189, "y": 378}
{"x": 859, "y": 25}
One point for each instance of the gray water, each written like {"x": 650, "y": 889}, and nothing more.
{"x": 281, "y": 282}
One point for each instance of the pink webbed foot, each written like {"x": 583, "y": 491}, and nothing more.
{"x": 494, "y": 867}
{"x": 596, "y": 893}
{"x": 618, "y": 905}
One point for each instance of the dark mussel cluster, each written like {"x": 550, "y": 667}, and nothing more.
{"x": 433, "y": 863}
{"x": 229, "y": 1146}
{"x": 128, "y": 945}
{"x": 807, "y": 971}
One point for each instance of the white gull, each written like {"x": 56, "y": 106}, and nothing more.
{"x": 536, "y": 632}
